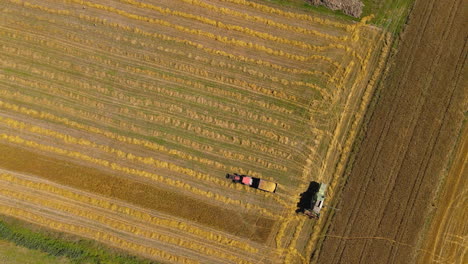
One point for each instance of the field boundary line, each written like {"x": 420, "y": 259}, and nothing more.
{"x": 366, "y": 98}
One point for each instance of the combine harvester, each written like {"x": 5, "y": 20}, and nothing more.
{"x": 312, "y": 200}
{"x": 316, "y": 203}
{"x": 253, "y": 182}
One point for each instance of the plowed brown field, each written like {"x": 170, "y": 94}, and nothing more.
{"x": 389, "y": 195}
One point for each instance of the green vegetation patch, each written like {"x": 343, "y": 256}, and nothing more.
{"x": 76, "y": 250}
{"x": 13, "y": 254}
{"x": 389, "y": 14}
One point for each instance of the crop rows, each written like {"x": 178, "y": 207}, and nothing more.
{"x": 209, "y": 35}
{"x": 245, "y": 30}
{"x": 150, "y": 88}
{"x": 132, "y": 100}
{"x": 198, "y": 45}
{"x": 191, "y": 70}
{"x": 191, "y": 83}
{"x": 129, "y": 156}
{"x": 92, "y": 233}
{"x": 272, "y": 10}
{"x": 163, "y": 91}
{"x": 131, "y": 212}
{"x": 128, "y": 126}
{"x": 117, "y": 224}
{"x": 229, "y": 81}
{"x": 266, "y": 21}
{"x": 124, "y": 139}
{"x": 135, "y": 172}
{"x": 162, "y": 118}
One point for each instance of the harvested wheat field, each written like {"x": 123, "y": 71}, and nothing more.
{"x": 405, "y": 200}
{"x": 119, "y": 120}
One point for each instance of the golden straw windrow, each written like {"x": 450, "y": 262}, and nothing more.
{"x": 130, "y": 114}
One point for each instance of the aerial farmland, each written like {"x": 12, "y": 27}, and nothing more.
{"x": 124, "y": 123}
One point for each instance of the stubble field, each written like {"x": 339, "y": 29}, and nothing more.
{"x": 120, "y": 120}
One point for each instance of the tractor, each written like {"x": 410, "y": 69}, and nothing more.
{"x": 253, "y": 182}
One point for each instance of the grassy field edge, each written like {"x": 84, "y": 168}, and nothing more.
{"x": 74, "y": 248}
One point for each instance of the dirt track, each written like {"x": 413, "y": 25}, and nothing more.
{"x": 390, "y": 191}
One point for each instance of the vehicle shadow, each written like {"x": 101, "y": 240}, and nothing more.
{"x": 307, "y": 197}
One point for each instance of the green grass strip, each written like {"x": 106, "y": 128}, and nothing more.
{"x": 56, "y": 244}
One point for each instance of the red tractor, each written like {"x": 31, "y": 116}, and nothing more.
{"x": 253, "y": 182}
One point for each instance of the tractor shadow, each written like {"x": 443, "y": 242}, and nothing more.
{"x": 308, "y": 197}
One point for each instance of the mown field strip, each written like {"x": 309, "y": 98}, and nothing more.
{"x": 92, "y": 233}
{"x": 116, "y": 38}
{"x": 134, "y": 100}
{"x": 146, "y": 102}
{"x": 209, "y": 35}
{"x": 284, "y": 96}
{"x": 163, "y": 37}
{"x": 151, "y": 110}
{"x": 43, "y": 90}
{"x": 159, "y": 164}
{"x": 176, "y": 96}
{"x": 271, "y": 10}
{"x": 138, "y": 214}
{"x": 264, "y": 20}
{"x": 124, "y": 139}
{"x": 226, "y": 26}
{"x": 118, "y": 225}
{"x": 84, "y": 114}
{"x": 135, "y": 172}
{"x": 148, "y": 218}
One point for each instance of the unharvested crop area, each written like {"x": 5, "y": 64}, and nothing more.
{"x": 391, "y": 200}
{"x": 120, "y": 119}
